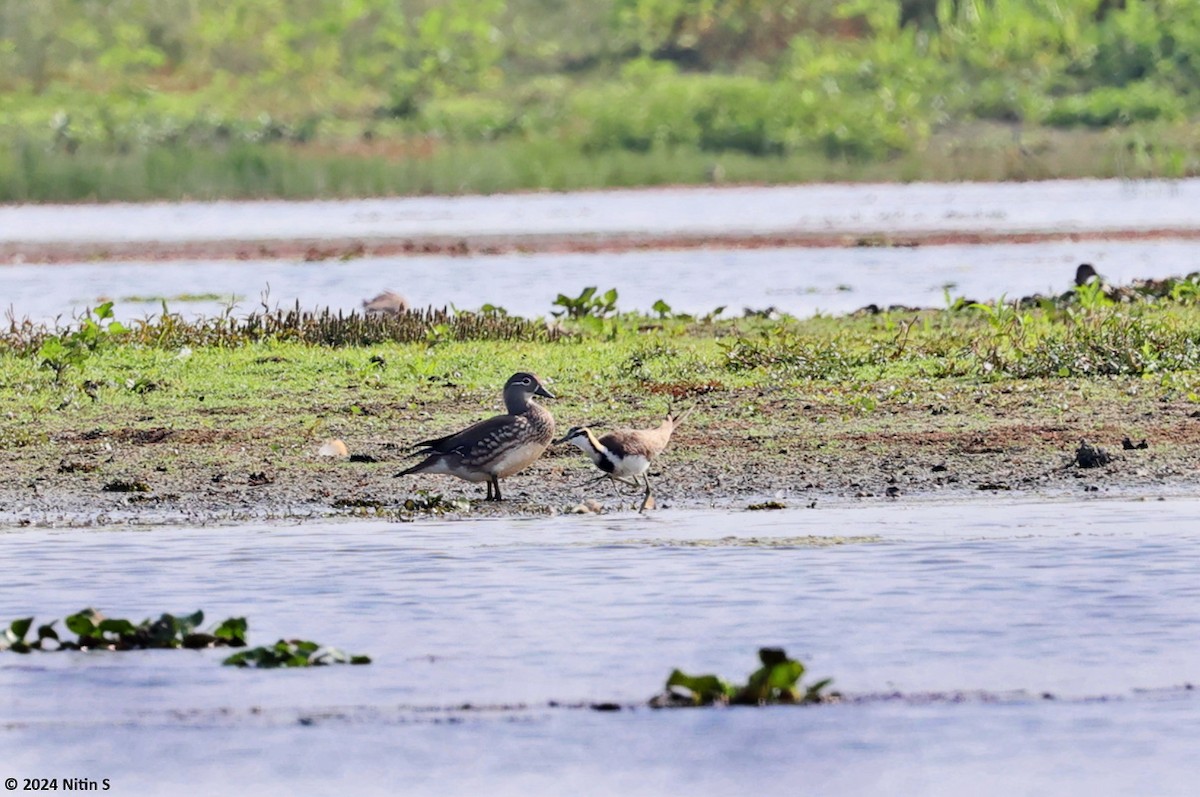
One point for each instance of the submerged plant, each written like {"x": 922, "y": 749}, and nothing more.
{"x": 293, "y": 653}
{"x": 777, "y": 681}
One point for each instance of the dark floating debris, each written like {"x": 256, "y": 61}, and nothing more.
{"x": 776, "y": 682}
{"x": 767, "y": 505}
{"x": 1090, "y": 456}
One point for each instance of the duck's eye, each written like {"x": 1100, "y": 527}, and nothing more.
{"x": 526, "y": 381}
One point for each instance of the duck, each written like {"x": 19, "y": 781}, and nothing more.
{"x": 495, "y": 448}
{"x": 625, "y": 454}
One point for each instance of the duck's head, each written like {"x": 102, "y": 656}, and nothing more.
{"x": 527, "y": 383}
{"x": 520, "y": 387}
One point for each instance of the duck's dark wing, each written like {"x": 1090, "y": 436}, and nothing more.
{"x": 484, "y": 434}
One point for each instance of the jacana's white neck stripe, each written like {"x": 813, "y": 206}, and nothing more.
{"x": 594, "y": 448}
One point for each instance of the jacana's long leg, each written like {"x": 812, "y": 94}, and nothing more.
{"x": 646, "y": 496}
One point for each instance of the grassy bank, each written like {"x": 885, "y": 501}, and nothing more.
{"x": 992, "y": 397}
{"x": 983, "y": 151}
{"x": 321, "y": 98}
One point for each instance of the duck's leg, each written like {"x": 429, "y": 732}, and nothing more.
{"x": 489, "y": 491}
{"x": 496, "y": 485}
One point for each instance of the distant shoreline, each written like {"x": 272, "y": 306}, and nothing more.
{"x": 316, "y": 249}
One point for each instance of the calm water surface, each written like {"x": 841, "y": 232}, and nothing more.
{"x": 1083, "y": 600}
{"x": 798, "y": 281}
{"x": 1049, "y": 206}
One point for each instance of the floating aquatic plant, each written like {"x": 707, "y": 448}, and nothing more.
{"x": 94, "y": 631}
{"x": 777, "y": 681}
{"x": 293, "y": 653}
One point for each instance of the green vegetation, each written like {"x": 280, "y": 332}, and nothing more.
{"x": 242, "y": 98}
{"x": 776, "y": 682}
{"x": 94, "y": 631}
{"x": 293, "y": 653}
{"x": 1148, "y": 328}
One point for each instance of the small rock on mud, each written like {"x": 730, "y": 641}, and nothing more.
{"x": 333, "y": 448}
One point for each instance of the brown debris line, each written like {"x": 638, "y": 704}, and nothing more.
{"x": 577, "y": 243}
{"x": 1022, "y": 435}
{"x": 141, "y": 437}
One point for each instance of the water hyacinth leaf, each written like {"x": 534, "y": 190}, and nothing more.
{"x": 83, "y": 623}
{"x": 292, "y": 653}
{"x": 776, "y": 681}
{"x": 813, "y": 693}
{"x": 13, "y": 637}
{"x": 785, "y": 676}
{"x": 232, "y": 630}
{"x": 705, "y": 689}
{"x": 19, "y": 628}
{"x": 47, "y": 631}
{"x": 162, "y": 633}
{"x": 189, "y": 623}
{"x": 116, "y": 626}
{"x": 303, "y": 645}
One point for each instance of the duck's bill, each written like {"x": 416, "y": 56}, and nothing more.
{"x": 541, "y": 391}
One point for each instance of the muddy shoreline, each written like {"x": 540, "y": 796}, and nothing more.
{"x": 315, "y": 249}
{"x": 972, "y": 447}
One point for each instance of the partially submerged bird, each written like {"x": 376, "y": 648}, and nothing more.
{"x": 386, "y": 303}
{"x": 1085, "y": 273}
{"x": 626, "y": 454}
{"x": 498, "y": 447}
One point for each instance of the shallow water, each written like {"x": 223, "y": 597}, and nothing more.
{"x": 1082, "y": 600}
{"x": 797, "y": 281}
{"x": 1049, "y": 206}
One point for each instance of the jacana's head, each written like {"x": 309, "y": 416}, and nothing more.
{"x": 579, "y": 435}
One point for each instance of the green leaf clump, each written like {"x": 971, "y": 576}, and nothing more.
{"x": 777, "y": 681}
{"x": 94, "y": 631}
{"x": 293, "y": 653}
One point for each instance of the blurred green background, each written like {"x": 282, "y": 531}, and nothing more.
{"x": 148, "y": 99}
